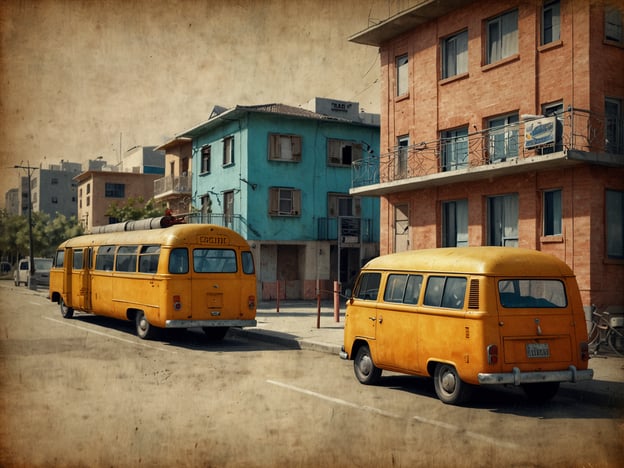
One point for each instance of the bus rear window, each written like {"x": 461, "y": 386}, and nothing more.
{"x": 214, "y": 261}
{"x": 532, "y": 293}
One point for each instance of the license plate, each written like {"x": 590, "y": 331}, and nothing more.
{"x": 537, "y": 350}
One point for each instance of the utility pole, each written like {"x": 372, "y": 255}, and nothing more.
{"x": 31, "y": 261}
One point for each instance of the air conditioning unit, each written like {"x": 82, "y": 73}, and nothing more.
{"x": 540, "y": 132}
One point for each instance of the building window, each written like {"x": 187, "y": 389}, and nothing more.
{"x": 114, "y": 190}
{"x": 454, "y": 149}
{"x": 455, "y": 55}
{"x": 206, "y": 205}
{"x": 342, "y": 205}
{"x": 503, "y": 138}
{"x": 551, "y": 22}
{"x": 401, "y": 75}
{"x": 402, "y": 155}
{"x": 284, "y": 147}
{"x": 502, "y": 223}
{"x": 343, "y": 153}
{"x": 551, "y": 200}
{"x": 284, "y": 201}
{"x": 502, "y": 36}
{"x": 455, "y": 223}
{"x": 615, "y": 223}
{"x": 88, "y": 189}
{"x": 614, "y": 140}
{"x": 54, "y": 181}
{"x": 228, "y": 151}
{"x": 54, "y": 200}
{"x": 205, "y": 160}
{"x": 88, "y": 201}
{"x": 228, "y": 208}
{"x": 613, "y": 24}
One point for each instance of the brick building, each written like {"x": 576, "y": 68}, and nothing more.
{"x": 502, "y": 124}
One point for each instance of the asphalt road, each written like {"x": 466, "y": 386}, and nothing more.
{"x": 88, "y": 392}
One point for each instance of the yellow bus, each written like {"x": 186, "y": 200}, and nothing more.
{"x": 469, "y": 316}
{"x": 182, "y": 276}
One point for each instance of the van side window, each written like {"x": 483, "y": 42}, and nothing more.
{"x": 77, "y": 259}
{"x": 148, "y": 258}
{"x": 403, "y": 288}
{"x": 368, "y": 286}
{"x": 105, "y": 258}
{"x": 178, "y": 261}
{"x": 248, "y": 263}
{"x": 126, "y": 258}
{"x": 59, "y": 260}
{"x": 412, "y": 291}
{"x": 443, "y": 291}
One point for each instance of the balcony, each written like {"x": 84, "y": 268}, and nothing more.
{"x": 172, "y": 186}
{"x": 577, "y": 136}
{"x": 353, "y": 230}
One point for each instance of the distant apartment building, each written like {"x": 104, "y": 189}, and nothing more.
{"x": 12, "y": 201}
{"x": 143, "y": 160}
{"x": 502, "y": 124}
{"x": 280, "y": 176}
{"x": 174, "y": 188}
{"x": 102, "y": 186}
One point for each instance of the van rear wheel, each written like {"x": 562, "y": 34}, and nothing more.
{"x": 365, "y": 369}
{"x": 448, "y": 386}
{"x": 66, "y": 312}
{"x": 144, "y": 329}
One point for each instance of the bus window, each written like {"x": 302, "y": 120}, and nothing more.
{"x": 126, "y": 258}
{"x": 148, "y": 258}
{"x": 248, "y": 264}
{"x": 531, "y": 293}
{"x": 368, "y": 286}
{"x": 395, "y": 287}
{"x": 412, "y": 292}
{"x": 77, "y": 259}
{"x": 59, "y": 260}
{"x": 105, "y": 258}
{"x": 178, "y": 261}
{"x": 214, "y": 261}
{"x": 445, "y": 292}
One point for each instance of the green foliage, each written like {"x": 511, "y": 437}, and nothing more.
{"x": 47, "y": 234}
{"x": 135, "y": 208}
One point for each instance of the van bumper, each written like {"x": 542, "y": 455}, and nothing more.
{"x": 343, "y": 354}
{"x": 517, "y": 377}
{"x": 209, "y": 323}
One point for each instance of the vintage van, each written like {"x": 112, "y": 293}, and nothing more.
{"x": 469, "y": 316}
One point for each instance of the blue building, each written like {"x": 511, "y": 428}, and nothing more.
{"x": 280, "y": 176}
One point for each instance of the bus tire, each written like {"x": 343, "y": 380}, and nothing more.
{"x": 541, "y": 392}
{"x": 144, "y": 329}
{"x": 215, "y": 333}
{"x": 449, "y": 388}
{"x": 365, "y": 369}
{"x": 66, "y": 312}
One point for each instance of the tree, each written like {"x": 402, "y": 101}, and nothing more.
{"x": 135, "y": 208}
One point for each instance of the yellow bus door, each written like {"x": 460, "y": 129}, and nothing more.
{"x": 85, "y": 280}
{"x": 67, "y": 278}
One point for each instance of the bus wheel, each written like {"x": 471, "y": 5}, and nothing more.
{"x": 541, "y": 392}
{"x": 448, "y": 386}
{"x": 365, "y": 369}
{"x": 215, "y": 333}
{"x": 143, "y": 328}
{"x": 66, "y": 312}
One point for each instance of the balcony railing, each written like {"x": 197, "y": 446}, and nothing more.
{"x": 574, "y": 129}
{"x": 172, "y": 185}
{"x": 347, "y": 230}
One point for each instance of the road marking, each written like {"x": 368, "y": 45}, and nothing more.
{"x": 371, "y": 409}
{"x": 107, "y": 335}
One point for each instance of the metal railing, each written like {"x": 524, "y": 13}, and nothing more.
{"x": 173, "y": 184}
{"x": 352, "y": 229}
{"x": 575, "y": 129}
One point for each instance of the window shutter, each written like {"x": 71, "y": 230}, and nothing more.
{"x": 333, "y": 151}
{"x": 274, "y": 147}
{"x": 296, "y": 148}
{"x": 356, "y": 152}
{"x": 296, "y": 194}
{"x": 273, "y": 200}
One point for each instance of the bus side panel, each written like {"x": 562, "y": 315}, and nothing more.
{"x": 397, "y": 338}
{"x": 360, "y": 322}
{"x": 102, "y": 292}
{"x": 135, "y": 291}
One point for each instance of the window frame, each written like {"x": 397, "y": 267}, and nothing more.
{"x": 613, "y": 25}
{"x": 451, "y": 235}
{"x": 206, "y": 159}
{"x": 551, "y": 22}
{"x": 278, "y": 196}
{"x": 401, "y": 64}
{"x": 228, "y": 151}
{"x": 493, "y": 56}
{"x": 614, "y": 123}
{"x": 552, "y": 212}
{"x": 276, "y": 142}
{"x": 454, "y": 149}
{"x": 510, "y": 137}
{"x": 113, "y": 190}
{"x": 450, "y": 44}
{"x": 614, "y": 224}
{"x": 500, "y": 205}
{"x": 343, "y": 153}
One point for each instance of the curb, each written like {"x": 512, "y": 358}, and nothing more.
{"x": 285, "y": 339}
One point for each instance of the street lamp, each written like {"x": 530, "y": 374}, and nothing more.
{"x": 31, "y": 283}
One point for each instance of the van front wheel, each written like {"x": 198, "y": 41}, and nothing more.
{"x": 448, "y": 386}
{"x": 66, "y": 312}
{"x": 365, "y": 369}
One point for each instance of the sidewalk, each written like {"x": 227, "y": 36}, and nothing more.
{"x": 295, "y": 326}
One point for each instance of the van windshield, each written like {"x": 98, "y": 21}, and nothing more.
{"x": 532, "y": 293}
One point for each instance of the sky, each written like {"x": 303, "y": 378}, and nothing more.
{"x": 84, "y": 78}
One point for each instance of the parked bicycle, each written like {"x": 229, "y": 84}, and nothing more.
{"x": 607, "y": 328}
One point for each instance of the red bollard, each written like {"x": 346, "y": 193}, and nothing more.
{"x": 318, "y": 305}
{"x": 336, "y": 301}
{"x": 278, "y": 295}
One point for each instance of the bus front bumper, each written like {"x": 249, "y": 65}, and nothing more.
{"x": 209, "y": 323}
{"x": 517, "y": 377}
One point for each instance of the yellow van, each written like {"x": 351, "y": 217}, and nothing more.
{"x": 469, "y": 316}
